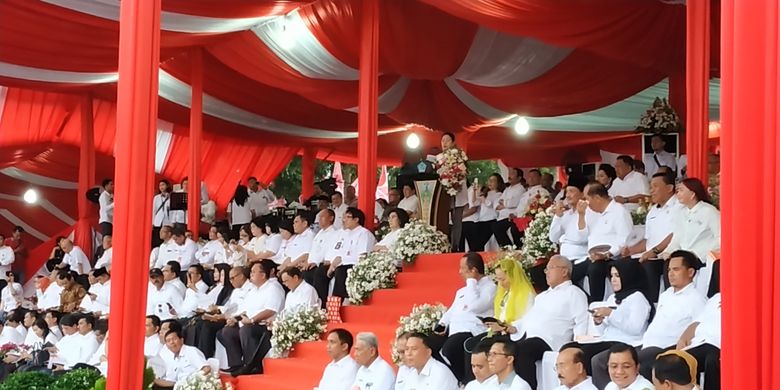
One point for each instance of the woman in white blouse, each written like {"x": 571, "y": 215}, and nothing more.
{"x": 233, "y": 252}
{"x": 257, "y": 244}
{"x": 238, "y": 211}
{"x": 397, "y": 219}
{"x": 273, "y": 242}
{"x": 12, "y": 295}
{"x": 624, "y": 316}
{"x": 487, "y": 212}
{"x": 698, "y": 231}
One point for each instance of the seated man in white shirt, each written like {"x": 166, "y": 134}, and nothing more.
{"x": 74, "y": 257}
{"x": 215, "y": 317}
{"x": 340, "y": 373}
{"x": 339, "y": 207}
{"x": 301, "y": 295}
{"x": 558, "y": 315}
{"x": 152, "y": 344}
{"x": 354, "y": 241}
{"x": 570, "y": 366}
{"x": 660, "y": 157}
{"x": 501, "y": 360}
{"x": 461, "y": 320}
{"x": 296, "y": 251}
{"x": 205, "y": 255}
{"x": 323, "y": 249}
{"x": 610, "y": 229}
{"x": 480, "y": 367}
{"x": 162, "y": 299}
{"x": 678, "y": 306}
{"x": 409, "y": 202}
{"x": 676, "y": 370}
{"x": 99, "y": 295}
{"x": 185, "y": 247}
{"x": 630, "y": 186}
{"x": 107, "y": 252}
{"x": 427, "y": 372}
{"x": 374, "y": 373}
{"x": 659, "y": 226}
{"x": 181, "y": 361}
{"x": 166, "y": 252}
{"x": 403, "y": 368}
{"x": 81, "y": 347}
{"x": 624, "y": 369}
{"x": 195, "y": 292}
{"x": 243, "y": 340}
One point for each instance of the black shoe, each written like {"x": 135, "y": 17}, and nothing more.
{"x": 231, "y": 370}
{"x": 248, "y": 370}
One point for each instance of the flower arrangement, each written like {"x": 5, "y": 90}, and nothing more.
{"x": 538, "y": 205}
{"x": 202, "y": 381}
{"x": 714, "y": 189}
{"x": 422, "y": 319}
{"x": 452, "y": 170}
{"x": 6, "y": 348}
{"x": 30, "y": 380}
{"x": 79, "y": 379}
{"x": 659, "y": 118}
{"x": 511, "y": 253}
{"x": 418, "y": 238}
{"x": 639, "y": 216}
{"x": 374, "y": 270}
{"x": 305, "y": 324}
{"x": 536, "y": 243}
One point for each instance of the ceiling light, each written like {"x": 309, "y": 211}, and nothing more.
{"x": 30, "y": 196}
{"x": 413, "y": 141}
{"x": 522, "y": 127}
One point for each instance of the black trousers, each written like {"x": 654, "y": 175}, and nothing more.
{"x": 579, "y": 272}
{"x": 107, "y": 228}
{"x": 243, "y": 344}
{"x": 714, "y": 281}
{"x": 452, "y": 348}
{"x": 529, "y": 351}
{"x": 597, "y": 275}
{"x": 655, "y": 269}
{"x": 322, "y": 282}
{"x": 708, "y": 361}
{"x": 499, "y": 230}
{"x": 206, "y": 337}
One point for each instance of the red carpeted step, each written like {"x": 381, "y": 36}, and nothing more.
{"x": 432, "y": 279}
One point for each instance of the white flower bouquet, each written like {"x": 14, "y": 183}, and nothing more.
{"x": 373, "y": 271}
{"x": 304, "y": 324}
{"x": 452, "y": 170}
{"x": 536, "y": 243}
{"x": 660, "y": 118}
{"x": 422, "y": 319}
{"x": 418, "y": 238}
{"x": 639, "y": 216}
{"x": 511, "y": 253}
{"x": 203, "y": 381}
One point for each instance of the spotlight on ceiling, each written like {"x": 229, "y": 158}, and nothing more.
{"x": 522, "y": 127}
{"x": 30, "y": 196}
{"x": 413, "y": 141}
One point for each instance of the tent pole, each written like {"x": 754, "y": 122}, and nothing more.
{"x": 196, "y": 141}
{"x": 83, "y": 234}
{"x": 137, "y": 97}
{"x": 368, "y": 109}
{"x": 697, "y": 83}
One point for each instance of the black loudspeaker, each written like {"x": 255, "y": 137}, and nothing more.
{"x": 93, "y": 195}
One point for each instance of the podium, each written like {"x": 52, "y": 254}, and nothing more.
{"x": 434, "y": 203}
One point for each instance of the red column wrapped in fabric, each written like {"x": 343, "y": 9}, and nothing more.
{"x": 83, "y": 233}
{"x": 196, "y": 140}
{"x": 139, "y": 58}
{"x": 368, "y": 108}
{"x": 697, "y": 82}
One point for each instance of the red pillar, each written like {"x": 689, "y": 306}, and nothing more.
{"x": 308, "y": 163}
{"x": 678, "y": 100}
{"x": 139, "y": 58}
{"x": 83, "y": 234}
{"x": 368, "y": 108}
{"x": 750, "y": 239}
{"x": 196, "y": 137}
{"x": 697, "y": 82}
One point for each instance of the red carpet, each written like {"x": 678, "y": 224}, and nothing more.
{"x": 432, "y": 279}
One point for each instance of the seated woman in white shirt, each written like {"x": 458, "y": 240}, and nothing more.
{"x": 698, "y": 231}
{"x": 606, "y": 175}
{"x": 233, "y": 252}
{"x": 397, "y": 219}
{"x": 256, "y": 245}
{"x": 273, "y": 242}
{"x": 624, "y": 316}
{"x": 286, "y": 232}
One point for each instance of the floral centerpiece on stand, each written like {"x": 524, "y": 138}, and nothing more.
{"x": 305, "y": 324}
{"x": 381, "y": 231}
{"x": 374, "y": 270}
{"x": 452, "y": 170}
{"x": 639, "y": 216}
{"x": 511, "y": 253}
{"x": 537, "y": 246}
{"x": 422, "y": 319}
{"x": 417, "y": 238}
{"x": 659, "y": 118}
{"x": 203, "y": 381}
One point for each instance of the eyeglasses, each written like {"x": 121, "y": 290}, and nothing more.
{"x": 494, "y": 354}
{"x": 552, "y": 267}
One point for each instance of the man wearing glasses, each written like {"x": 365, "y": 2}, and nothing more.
{"x": 501, "y": 360}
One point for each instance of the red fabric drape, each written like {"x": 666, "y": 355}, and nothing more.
{"x": 697, "y": 82}
{"x": 367, "y": 114}
{"x": 750, "y": 92}
{"x": 646, "y": 33}
{"x": 139, "y": 48}
{"x": 83, "y": 234}
{"x": 308, "y": 164}
{"x": 196, "y": 138}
